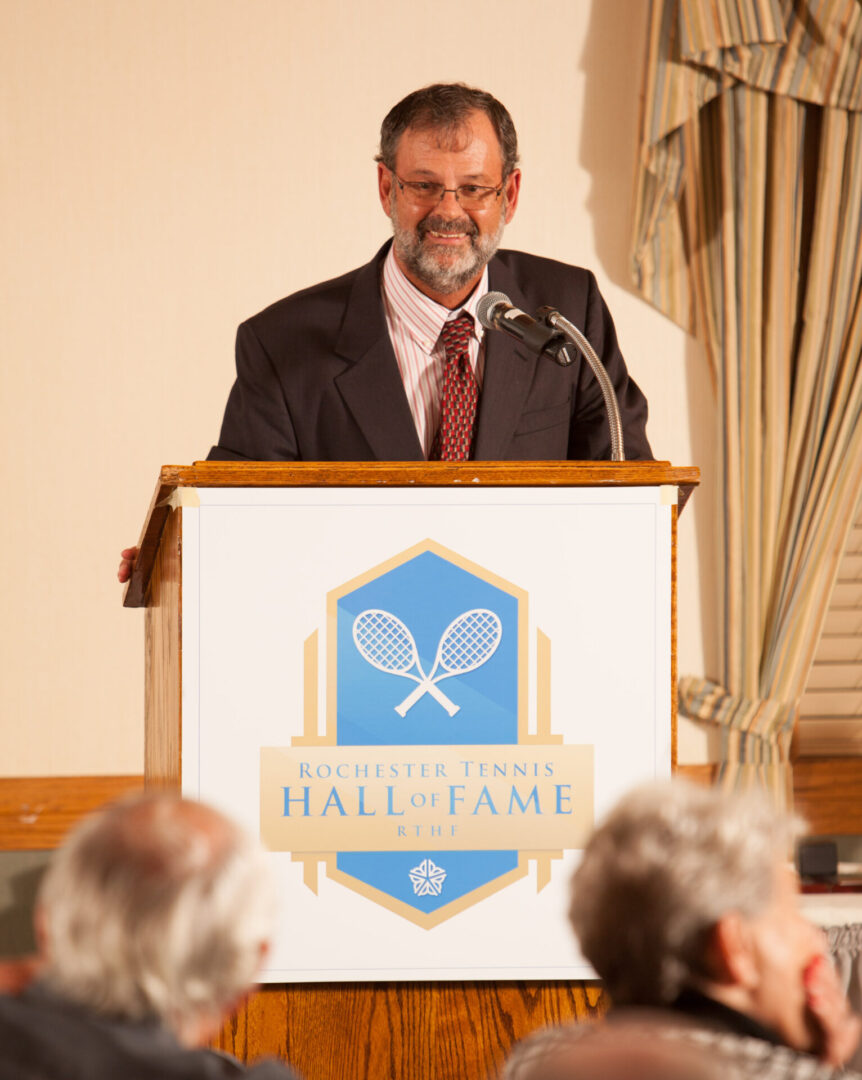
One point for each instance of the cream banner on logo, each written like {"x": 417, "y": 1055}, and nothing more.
{"x": 447, "y": 798}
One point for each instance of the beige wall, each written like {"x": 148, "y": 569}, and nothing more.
{"x": 169, "y": 167}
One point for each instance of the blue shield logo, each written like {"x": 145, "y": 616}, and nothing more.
{"x": 427, "y": 792}
{"x": 428, "y": 654}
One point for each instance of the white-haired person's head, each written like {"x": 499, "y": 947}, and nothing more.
{"x": 157, "y": 907}
{"x": 688, "y": 889}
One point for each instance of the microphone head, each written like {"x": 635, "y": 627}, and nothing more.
{"x": 487, "y": 306}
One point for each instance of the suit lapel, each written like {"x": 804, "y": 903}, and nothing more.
{"x": 509, "y": 369}
{"x": 371, "y": 386}
{"x": 373, "y": 392}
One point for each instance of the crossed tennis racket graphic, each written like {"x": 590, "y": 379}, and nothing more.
{"x": 468, "y": 642}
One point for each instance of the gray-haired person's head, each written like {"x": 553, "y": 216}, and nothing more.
{"x": 657, "y": 875}
{"x": 156, "y": 907}
{"x": 447, "y": 107}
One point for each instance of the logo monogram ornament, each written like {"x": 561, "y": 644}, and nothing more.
{"x": 427, "y": 878}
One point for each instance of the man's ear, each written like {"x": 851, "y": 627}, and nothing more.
{"x": 732, "y": 954}
{"x": 206, "y": 1026}
{"x": 384, "y": 188}
{"x": 209, "y": 1025}
{"x": 513, "y": 189}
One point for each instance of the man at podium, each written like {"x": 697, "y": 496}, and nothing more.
{"x": 390, "y": 362}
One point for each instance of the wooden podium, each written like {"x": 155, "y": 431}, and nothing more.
{"x": 427, "y": 1030}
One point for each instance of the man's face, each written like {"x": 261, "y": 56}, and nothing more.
{"x": 443, "y": 249}
{"x": 784, "y": 944}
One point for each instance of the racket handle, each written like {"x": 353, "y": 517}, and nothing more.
{"x": 426, "y": 688}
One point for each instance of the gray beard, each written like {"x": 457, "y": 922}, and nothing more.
{"x": 446, "y": 274}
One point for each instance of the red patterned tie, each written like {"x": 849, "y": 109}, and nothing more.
{"x": 460, "y": 394}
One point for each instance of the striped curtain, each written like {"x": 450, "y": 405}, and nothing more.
{"x": 747, "y": 233}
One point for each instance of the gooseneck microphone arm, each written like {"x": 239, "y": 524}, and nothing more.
{"x": 546, "y": 335}
{"x": 559, "y": 322}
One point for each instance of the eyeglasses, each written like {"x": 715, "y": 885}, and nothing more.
{"x": 469, "y": 196}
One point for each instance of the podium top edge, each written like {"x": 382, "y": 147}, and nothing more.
{"x": 437, "y": 473}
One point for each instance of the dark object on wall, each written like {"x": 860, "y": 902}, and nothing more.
{"x": 817, "y": 859}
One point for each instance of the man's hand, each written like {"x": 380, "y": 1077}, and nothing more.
{"x": 16, "y": 974}
{"x": 838, "y": 1026}
{"x": 128, "y": 557}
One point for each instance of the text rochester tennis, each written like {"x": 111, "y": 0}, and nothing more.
{"x": 425, "y": 770}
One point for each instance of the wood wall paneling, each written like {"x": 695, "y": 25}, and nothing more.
{"x": 37, "y": 812}
{"x": 828, "y": 795}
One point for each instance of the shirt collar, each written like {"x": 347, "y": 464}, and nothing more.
{"x": 422, "y": 317}
{"x": 723, "y": 1018}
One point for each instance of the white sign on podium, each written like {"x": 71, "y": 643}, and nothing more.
{"x": 421, "y": 699}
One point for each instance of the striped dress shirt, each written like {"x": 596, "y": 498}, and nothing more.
{"x": 415, "y": 322}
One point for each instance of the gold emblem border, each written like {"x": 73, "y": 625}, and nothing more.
{"x": 311, "y": 736}
{"x": 425, "y": 920}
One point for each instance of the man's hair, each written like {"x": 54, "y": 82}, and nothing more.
{"x": 156, "y": 907}
{"x": 446, "y": 107}
{"x": 656, "y": 876}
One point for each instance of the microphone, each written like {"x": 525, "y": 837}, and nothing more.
{"x": 496, "y": 312}
{"x": 552, "y": 337}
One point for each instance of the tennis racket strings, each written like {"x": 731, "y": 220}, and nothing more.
{"x": 469, "y": 641}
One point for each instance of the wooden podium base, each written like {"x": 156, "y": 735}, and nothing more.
{"x": 414, "y": 1031}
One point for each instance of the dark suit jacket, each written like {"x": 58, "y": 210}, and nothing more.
{"x": 317, "y": 378}
{"x": 43, "y": 1037}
